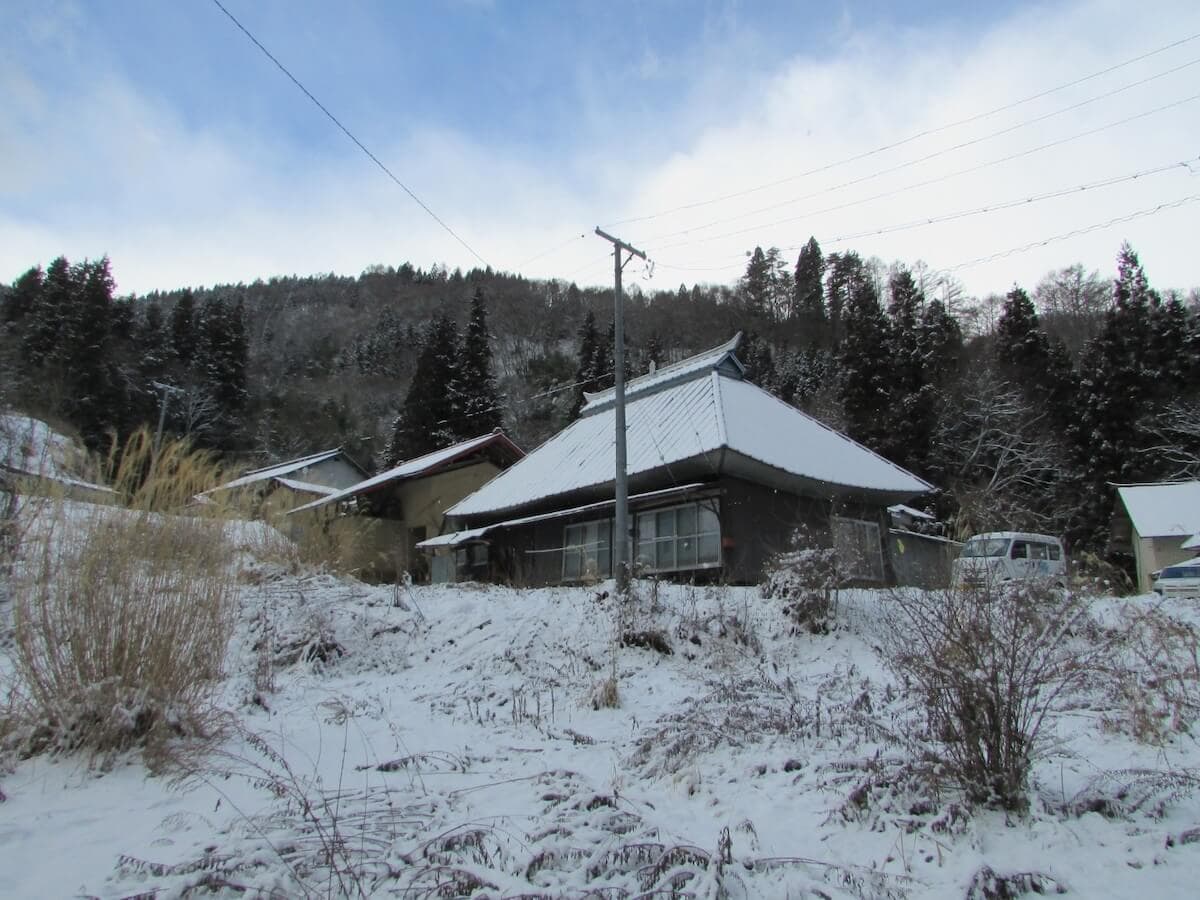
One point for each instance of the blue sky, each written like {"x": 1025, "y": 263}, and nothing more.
{"x": 157, "y": 133}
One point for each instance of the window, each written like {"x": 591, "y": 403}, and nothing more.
{"x": 586, "y": 550}
{"x": 679, "y": 538}
{"x": 860, "y": 554}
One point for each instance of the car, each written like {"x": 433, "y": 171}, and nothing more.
{"x": 1179, "y": 580}
{"x": 1003, "y": 556}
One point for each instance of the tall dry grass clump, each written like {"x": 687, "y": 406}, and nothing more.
{"x": 122, "y": 614}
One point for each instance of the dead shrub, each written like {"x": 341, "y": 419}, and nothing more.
{"x": 1153, "y": 676}
{"x": 121, "y": 616}
{"x": 989, "y": 664}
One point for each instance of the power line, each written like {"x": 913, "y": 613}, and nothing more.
{"x": 1008, "y": 204}
{"x": 1098, "y": 226}
{"x": 892, "y": 146}
{"x": 913, "y": 162}
{"x": 919, "y": 184}
{"x": 346, "y": 131}
{"x": 982, "y": 210}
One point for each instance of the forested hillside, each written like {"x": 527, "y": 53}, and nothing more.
{"x": 1022, "y": 408}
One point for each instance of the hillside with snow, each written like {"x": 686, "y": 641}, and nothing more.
{"x": 453, "y": 741}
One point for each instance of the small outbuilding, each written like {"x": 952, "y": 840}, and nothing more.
{"x": 1156, "y": 524}
{"x": 280, "y": 487}
{"x": 721, "y": 475}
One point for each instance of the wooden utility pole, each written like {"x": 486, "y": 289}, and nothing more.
{"x": 621, "y": 533}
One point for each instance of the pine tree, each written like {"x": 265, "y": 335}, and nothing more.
{"x": 585, "y": 373}
{"x": 865, "y": 365}
{"x": 45, "y": 337}
{"x": 219, "y": 365}
{"x": 808, "y": 300}
{"x": 24, "y": 296}
{"x": 911, "y": 410}
{"x": 94, "y": 401}
{"x": 432, "y": 410}
{"x": 1117, "y": 382}
{"x": 183, "y": 328}
{"x": 844, "y": 277}
{"x": 480, "y": 396}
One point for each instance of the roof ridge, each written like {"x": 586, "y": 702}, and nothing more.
{"x": 661, "y": 378}
{"x": 722, "y": 430}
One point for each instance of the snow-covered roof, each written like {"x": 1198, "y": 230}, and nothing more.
{"x": 702, "y": 415}
{"x": 1192, "y": 543}
{"x": 900, "y": 509}
{"x": 306, "y": 487}
{"x": 278, "y": 470}
{"x": 683, "y": 370}
{"x": 412, "y": 468}
{"x": 1163, "y": 509}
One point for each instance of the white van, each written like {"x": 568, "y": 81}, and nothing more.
{"x": 1000, "y": 556}
{"x": 1179, "y": 580}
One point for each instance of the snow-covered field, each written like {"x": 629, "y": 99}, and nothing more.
{"x": 446, "y": 741}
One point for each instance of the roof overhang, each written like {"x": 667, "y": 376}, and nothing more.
{"x": 457, "y": 538}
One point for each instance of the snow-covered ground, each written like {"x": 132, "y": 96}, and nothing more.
{"x": 446, "y": 741}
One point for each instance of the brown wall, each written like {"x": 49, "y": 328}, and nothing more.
{"x": 756, "y": 523}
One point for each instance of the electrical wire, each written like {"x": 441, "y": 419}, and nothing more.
{"x": 1098, "y": 226}
{"x": 346, "y": 131}
{"x": 905, "y": 165}
{"x": 920, "y": 184}
{"x": 917, "y": 136}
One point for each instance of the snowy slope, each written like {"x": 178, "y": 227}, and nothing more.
{"x": 445, "y": 737}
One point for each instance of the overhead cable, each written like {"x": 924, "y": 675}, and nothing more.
{"x": 900, "y": 143}
{"x": 346, "y": 131}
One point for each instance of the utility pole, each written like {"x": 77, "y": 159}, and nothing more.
{"x": 621, "y": 517}
{"x": 167, "y": 390}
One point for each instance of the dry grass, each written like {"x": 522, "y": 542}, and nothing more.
{"x": 121, "y": 616}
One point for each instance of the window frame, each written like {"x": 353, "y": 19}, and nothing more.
{"x": 875, "y": 551}
{"x": 676, "y": 540}
{"x": 599, "y": 547}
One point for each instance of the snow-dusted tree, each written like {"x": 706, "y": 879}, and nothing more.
{"x": 865, "y": 366}
{"x": 997, "y": 460}
{"x": 1118, "y": 385}
{"x": 1072, "y": 303}
{"x": 585, "y": 371}
{"x": 807, "y": 310}
{"x": 845, "y": 275}
{"x": 432, "y": 411}
{"x": 481, "y": 409}
{"x": 183, "y": 328}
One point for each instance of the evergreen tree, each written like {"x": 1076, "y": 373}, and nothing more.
{"x": 911, "y": 412}
{"x": 432, "y": 411}
{"x": 45, "y": 338}
{"x": 654, "y": 351}
{"x": 1117, "y": 382}
{"x": 865, "y": 390}
{"x": 93, "y": 398}
{"x": 585, "y": 374}
{"x": 845, "y": 275}
{"x": 480, "y": 396}
{"x": 24, "y": 296}
{"x": 220, "y": 363}
{"x": 183, "y": 328}
{"x": 808, "y": 300}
